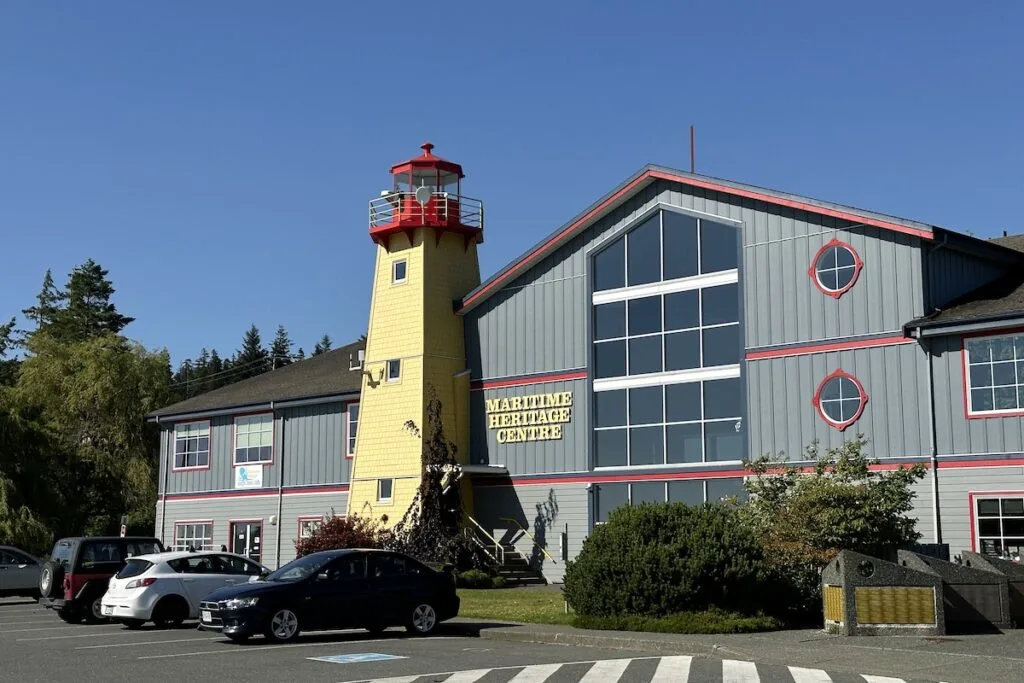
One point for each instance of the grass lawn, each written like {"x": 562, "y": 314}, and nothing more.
{"x": 530, "y": 605}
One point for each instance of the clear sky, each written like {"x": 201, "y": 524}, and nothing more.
{"x": 217, "y": 157}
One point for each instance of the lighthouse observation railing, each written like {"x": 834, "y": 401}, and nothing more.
{"x": 440, "y": 207}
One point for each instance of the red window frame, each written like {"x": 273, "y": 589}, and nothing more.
{"x": 858, "y": 265}
{"x": 816, "y": 401}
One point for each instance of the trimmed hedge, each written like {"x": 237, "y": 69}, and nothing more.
{"x": 657, "y": 560}
{"x": 710, "y": 621}
{"x": 475, "y": 578}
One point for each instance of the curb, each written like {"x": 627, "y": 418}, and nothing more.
{"x": 602, "y": 641}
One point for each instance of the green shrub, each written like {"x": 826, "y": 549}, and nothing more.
{"x": 656, "y": 560}
{"x": 476, "y": 578}
{"x": 709, "y": 621}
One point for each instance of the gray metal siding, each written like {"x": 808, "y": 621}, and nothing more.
{"x": 314, "y": 445}
{"x": 222, "y": 511}
{"x": 955, "y": 434}
{"x": 950, "y": 274}
{"x": 309, "y": 442}
{"x": 568, "y": 454}
{"x": 295, "y": 507}
{"x": 895, "y": 420}
{"x": 535, "y": 324}
{"x": 546, "y": 512}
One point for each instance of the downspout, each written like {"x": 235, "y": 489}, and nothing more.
{"x": 932, "y": 447}
{"x": 164, "y": 453}
{"x": 280, "y": 489}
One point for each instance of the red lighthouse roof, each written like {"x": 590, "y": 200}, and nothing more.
{"x": 429, "y": 160}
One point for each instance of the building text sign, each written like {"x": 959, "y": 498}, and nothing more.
{"x": 537, "y": 417}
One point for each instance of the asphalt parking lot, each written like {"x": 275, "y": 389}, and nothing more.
{"x": 35, "y": 645}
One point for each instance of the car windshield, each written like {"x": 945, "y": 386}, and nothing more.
{"x": 299, "y": 569}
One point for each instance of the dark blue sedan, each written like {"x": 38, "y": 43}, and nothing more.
{"x": 334, "y": 589}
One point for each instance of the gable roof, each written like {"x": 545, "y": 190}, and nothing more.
{"x": 1015, "y": 242}
{"x": 1000, "y": 299}
{"x": 650, "y": 174}
{"x": 325, "y": 375}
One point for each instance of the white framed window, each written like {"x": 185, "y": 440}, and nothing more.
{"x": 254, "y": 439}
{"x": 308, "y": 525}
{"x": 399, "y": 271}
{"x": 994, "y": 372}
{"x": 353, "y": 425}
{"x": 198, "y": 535}
{"x": 394, "y": 371}
{"x": 191, "y": 445}
{"x": 385, "y": 490}
{"x": 1000, "y": 520}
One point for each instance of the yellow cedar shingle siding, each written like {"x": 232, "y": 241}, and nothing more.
{"x": 416, "y": 323}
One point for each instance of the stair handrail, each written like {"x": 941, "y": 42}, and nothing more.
{"x": 498, "y": 549}
{"x": 523, "y": 529}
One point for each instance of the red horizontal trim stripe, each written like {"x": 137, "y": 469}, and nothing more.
{"x": 829, "y": 346}
{"x": 342, "y": 488}
{"x": 531, "y": 379}
{"x": 523, "y": 263}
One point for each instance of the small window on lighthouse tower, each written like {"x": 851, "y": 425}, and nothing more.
{"x": 394, "y": 370}
{"x": 398, "y": 271}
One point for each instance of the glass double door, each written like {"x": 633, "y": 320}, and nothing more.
{"x": 246, "y": 539}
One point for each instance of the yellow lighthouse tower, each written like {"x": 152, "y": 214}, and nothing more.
{"x": 427, "y": 235}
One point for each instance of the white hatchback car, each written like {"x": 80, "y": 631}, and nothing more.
{"x": 166, "y": 588}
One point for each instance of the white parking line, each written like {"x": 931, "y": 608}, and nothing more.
{"x": 26, "y": 623}
{"x": 95, "y": 634}
{"x": 144, "y": 642}
{"x": 273, "y": 648}
{"x": 48, "y": 628}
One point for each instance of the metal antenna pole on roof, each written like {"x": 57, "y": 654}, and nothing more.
{"x": 692, "y": 158}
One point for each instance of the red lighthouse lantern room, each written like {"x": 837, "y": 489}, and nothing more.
{"x": 426, "y": 193}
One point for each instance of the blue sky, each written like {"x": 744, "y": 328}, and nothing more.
{"x": 217, "y": 157}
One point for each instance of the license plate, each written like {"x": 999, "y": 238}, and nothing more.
{"x": 207, "y": 616}
{"x": 108, "y": 609}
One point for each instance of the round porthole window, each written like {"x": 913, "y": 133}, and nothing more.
{"x": 865, "y": 569}
{"x": 840, "y": 399}
{"x": 835, "y": 268}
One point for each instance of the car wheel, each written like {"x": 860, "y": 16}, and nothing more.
{"x": 170, "y": 612}
{"x": 69, "y": 615}
{"x": 51, "y": 578}
{"x": 94, "y": 610}
{"x": 133, "y": 624}
{"x": 423, "y": 620}
{"x": 283, "y": 626}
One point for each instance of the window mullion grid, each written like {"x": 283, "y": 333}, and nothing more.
{"x": 628, "y": 421}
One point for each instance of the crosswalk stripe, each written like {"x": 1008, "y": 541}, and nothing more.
{"x": 672, "y": 670}
{"x": 808, "y": 675}
{"x": 736, "y": 671}
{"x": 467, "y": 676}
{"x": 881, "y": 679}
{"x": 535, "y": 674}
{"x": 607, "y": 671}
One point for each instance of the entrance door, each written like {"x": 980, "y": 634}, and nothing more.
{"x": 246, "y": 539}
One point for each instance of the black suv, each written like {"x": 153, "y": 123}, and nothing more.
{"x": 75, "y": 577}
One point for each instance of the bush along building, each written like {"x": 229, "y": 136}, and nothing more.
{"x": 638, "y": 353}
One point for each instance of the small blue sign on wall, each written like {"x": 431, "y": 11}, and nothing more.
{"x": 356, "y": 657}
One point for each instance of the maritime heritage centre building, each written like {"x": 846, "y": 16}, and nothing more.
{"x": 638, "y": 353}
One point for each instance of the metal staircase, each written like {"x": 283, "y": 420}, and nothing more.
{"x": 512, "y": 565}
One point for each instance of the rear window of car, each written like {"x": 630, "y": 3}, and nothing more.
{"x": 133, "y": 568}
{"x": 62, "y": 554}
{"x": 143, "y": 548}
{"x": 100, "y": 556}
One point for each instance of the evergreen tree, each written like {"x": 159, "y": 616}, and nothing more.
{"x": 89, "y": 312}
{"x": 322, "y": 346}
{"x": 301, "y": 355}
{"x": 8, "y": 366}
{"x": 49, "y": 303}
{"x": 252, "y": 359}
{"x": 280, "y": 349}
{"x": 216, "y": 366}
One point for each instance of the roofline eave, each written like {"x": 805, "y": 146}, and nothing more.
{"x": 157, "y": 417}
